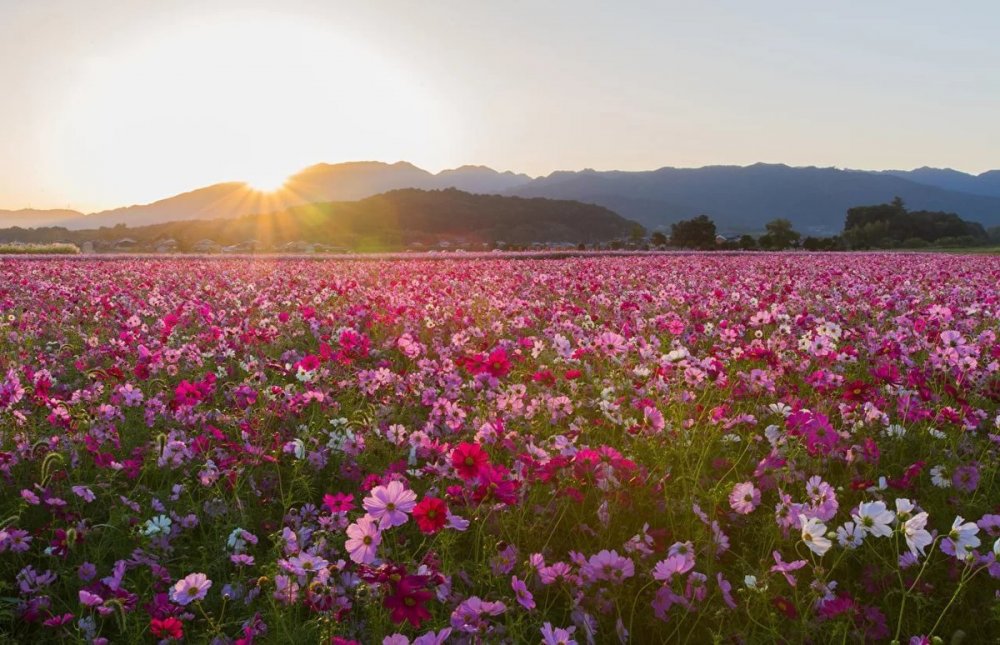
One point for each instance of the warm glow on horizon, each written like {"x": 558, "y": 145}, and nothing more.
{"x": 265, "y": 182}
{"x": 253, "y": 98}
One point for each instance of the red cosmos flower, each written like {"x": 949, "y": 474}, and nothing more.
{"x": 493, "y": 484}
{"x": 169, "y": 627}
{"x": 544, "y": 376}
{"x": 498, "y": 364}
{"x": 786, "y": 606}
{"x": 469, "y": 460}
{"x": 408, "y": 601}
{"x": 856, "y": 390}
{"x": 431, "y": 514}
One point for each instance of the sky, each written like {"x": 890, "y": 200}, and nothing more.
{"x": 109, "y": 103}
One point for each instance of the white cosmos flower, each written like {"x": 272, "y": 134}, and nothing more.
{"x": 939, "y": 477}
{"x": 814, "y": 535}
{"x": 780, "y": 408}
{"x": 158, "y": 525}
{"x": 904, "y": 508}
{"x": 917, "y": 537}
{"x": 873, "y": 518}
{"x": 963, "y": 535}
{"x": 850, "y": 536}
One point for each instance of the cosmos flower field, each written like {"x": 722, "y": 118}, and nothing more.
{"x": 689, "y": 448}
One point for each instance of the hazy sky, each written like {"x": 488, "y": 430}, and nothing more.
{"x": 109, "y": 103}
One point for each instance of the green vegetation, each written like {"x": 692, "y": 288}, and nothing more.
{"x": 780, "y": 235}
{"x": 893, "y": 226}
{"x": 882, "y": 226}
{"x": 39, "y": 249}
{"x": 698, "y": 233}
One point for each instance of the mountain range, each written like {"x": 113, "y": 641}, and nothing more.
{"x": 407, "y": 218}
{"x": 738, "y": 198}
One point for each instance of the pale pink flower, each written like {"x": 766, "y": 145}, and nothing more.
{"x": 390, "y": 504}
{"x": 364, "y": 537}
{"x": 744, "y": 498}
{"x": 190, "y": 588}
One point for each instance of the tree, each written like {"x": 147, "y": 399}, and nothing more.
{"x": 658, "y": 239}
{"x": 747, "y": 243}
{"x": 890, "y": 225}
{"x": 636, "y": 234}
{"x": 697, "y": 233}
{"x": 822, "y": 243}
{"x": 780, "y": 235}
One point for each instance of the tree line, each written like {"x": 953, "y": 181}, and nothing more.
{"x": 880, "y": 226}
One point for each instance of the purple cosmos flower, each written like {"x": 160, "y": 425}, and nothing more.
{"x": 521, "y": 591}
{"x": 557, "y": 635}
{"x": 966, "y": 478}
{"x": 470, "y": 616}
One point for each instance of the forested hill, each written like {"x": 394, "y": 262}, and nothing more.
{"x": 391, "y": 220}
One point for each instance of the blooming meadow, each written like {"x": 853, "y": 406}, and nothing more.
{"x": 687, "y": 448}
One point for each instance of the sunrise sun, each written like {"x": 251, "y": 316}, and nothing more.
{"x": 244, "y": 96}
{"x": 267, "y": 182}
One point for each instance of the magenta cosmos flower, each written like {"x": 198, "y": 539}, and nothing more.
{"x": 363, "y": 538}
{"x": 390, "y": 504}
{"x": 190, "y": 588}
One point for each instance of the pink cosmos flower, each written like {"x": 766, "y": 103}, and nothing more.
{"x": 744, "y": 498}
{"x": 390, "y": 504}
{"x": 557, "y": 571}
{"x": 190, "y": 588}
{"x": 785, "y": 568}
{"x": 364, "y": 537}
{"x": 608, "y": 565}
{"x": 673, "y": 565}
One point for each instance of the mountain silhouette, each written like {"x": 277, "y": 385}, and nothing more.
{"x": 393, "y": 220}
{"x": 739, "y": 199}
{"x": 315, "y": 184}
{"x": 744, "y": 198}
{"x": 987, "y": 183}
{"x": 33, "y": 217}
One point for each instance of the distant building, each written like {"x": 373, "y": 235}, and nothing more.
{"x": 206, "y": 246}
{"x": 298, "y": 246}
{"x": 125, "y": 244}
{"x": 168, "y": 245}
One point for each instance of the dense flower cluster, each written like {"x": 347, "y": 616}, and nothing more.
{"x": 585, "y": 450}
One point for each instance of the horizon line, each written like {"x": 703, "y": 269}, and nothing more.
{"x": 531, "y": 177}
